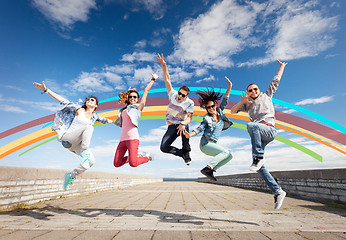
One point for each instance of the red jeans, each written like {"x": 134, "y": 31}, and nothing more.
{"x": 132, "y": 158}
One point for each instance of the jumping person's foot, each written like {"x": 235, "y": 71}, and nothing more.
{"x": 68, "y": 180}
{"x": 186, "y": 157}
{"x": 257, "y": 163}
{"x": 278, "y": 199}
{"x": 84, "y": 158}
{"x": 145, "y": 154}
{"x": 209, "y": 173}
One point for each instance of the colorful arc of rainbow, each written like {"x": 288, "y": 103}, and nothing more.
{"x": 329, "y": 133}
{"x": 236, "y": 125}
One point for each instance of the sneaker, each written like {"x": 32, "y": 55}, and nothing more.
{"x": 186, "y": 157}
{"x": 257, "y": 163}
{"x": 208, "y": 173}
{"x": 84, "y": 158}
{"x": 68, "y": 180}
{"x": 145, "y": 154}
{"x": 278, "y": 199}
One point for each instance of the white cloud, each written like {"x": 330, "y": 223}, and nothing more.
{"x": 90, "y": 82}
{"x": 323, "y": 99}
{"x": 213, "y": 37}
{"x": 141, "y": 44}
{"x": 14, "y": 109}
{"x": 178, "y": 75}
{"x": 16, "y": 105}
{"x": 142, "y": 75}
{"x": 207, "y": 79}
{"x": 138, "y": 57}
{"x": 65, "y": 12}
{"x": 201, "y": 72}
{"x": 299, "y": 31}
{"x": 282, "y": 29}
{"x": 155, "y": 7}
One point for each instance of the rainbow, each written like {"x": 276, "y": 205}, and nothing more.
{"x": 333, "y": 136}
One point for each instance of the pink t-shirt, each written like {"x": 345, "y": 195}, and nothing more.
{"x": 129, "y": 131}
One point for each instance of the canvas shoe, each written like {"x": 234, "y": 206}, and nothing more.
{"x": 145, "y": 154}
{"x": 68, "y": 180}
{"x": 278, "y": 199}
{"x": 257, "y": 163}
{"x": 208, "y": 173}
{"x": 186, "y": 157}
{"x": 84, "y": 158}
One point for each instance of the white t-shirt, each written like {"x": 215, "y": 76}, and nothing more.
{"x": 177, "y": 111}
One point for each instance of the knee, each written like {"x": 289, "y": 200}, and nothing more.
{"x": 133, "y": 164}
{"x": 66, "y": 144}
{"x": 164, "y": 148}
{"x": 251, "y": 126}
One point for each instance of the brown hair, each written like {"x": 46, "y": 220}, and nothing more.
{"x": 124, "y": 96}
{"x": 185, "y": 89}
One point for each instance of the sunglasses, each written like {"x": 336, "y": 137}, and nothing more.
{"x": 132, "y": 96}
{"x": 92, "y": 99}
{"x": 252, "y": 89}
{"x": 208, "y": 107}
{"x": 181, "y": 94}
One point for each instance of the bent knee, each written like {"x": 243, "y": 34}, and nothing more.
{"x": 164, "y": 148}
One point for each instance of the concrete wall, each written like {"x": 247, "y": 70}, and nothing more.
{"x": 31, "y": 185}
{"x": 320, "y": 185}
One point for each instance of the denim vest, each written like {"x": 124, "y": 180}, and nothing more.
{"x": 209, "y": 123}
{"x": 133, "y": 112}
{"x": 65, "y": 115}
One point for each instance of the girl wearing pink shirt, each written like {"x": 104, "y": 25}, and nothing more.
{"x": 128, "y": 121}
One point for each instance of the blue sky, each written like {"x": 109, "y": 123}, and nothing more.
{"x": 80, "y": 47}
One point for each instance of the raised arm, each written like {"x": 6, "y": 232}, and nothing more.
{"x": 43, "y": 87}
{"x": 229, "y": 87}
{"x": 281, "y": 69}
{"x": 166, "y": 76}
{"x": 146, "y": 90}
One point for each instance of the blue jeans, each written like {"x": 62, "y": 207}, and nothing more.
{"x": 170, "y": 136}
{"x": 261, "y": 135}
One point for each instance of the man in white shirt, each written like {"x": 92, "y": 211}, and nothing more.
{"x": 178, "y": 116}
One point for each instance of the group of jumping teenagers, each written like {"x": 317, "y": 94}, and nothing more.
{"x": 74, "y": 125}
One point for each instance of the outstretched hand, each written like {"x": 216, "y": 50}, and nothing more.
{"x": 282, "y": 63}
{"x": 160, "y": 59}
{"x": 245, "y": 98}
{"x": 39, "y": 86}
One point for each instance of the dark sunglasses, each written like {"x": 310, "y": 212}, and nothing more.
{"x": 92, "y": 99}
{"x": 132, "y": 96}
{"x": 208, "y": 107}
{"x": 181, "y": 94}
{"x": 252, "y": 89}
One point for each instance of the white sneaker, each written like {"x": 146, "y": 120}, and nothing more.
{"x": 278, "y": 200}
{"x": 145, "y": 154}
{"x": 257, "y": 163}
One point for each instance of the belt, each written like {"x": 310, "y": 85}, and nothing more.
{"x": 266, "y": 123}
{"x": 211, "y": 140}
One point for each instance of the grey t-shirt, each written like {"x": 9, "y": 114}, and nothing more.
{"x": 262, "y": 107}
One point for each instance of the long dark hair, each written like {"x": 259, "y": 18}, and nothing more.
{"x": 87, "y": 98}
{"x": 208, "y": 95}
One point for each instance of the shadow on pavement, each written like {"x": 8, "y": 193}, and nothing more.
{"x": 338, "y": 210}
{"x": 50, "y": 211}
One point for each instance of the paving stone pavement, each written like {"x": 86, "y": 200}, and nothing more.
{"x": 175, "y": 210}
